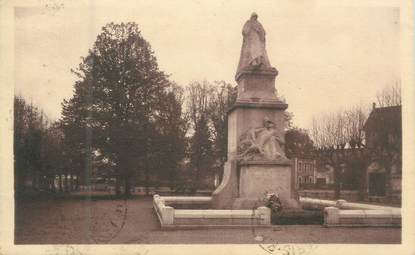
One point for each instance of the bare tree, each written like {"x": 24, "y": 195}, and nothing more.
{"x": 338, "y": 137}
{"x": 355, "y": 119}
{"x": 337, "y": 129}
{"x": 327, "y": 131}
{"x": 390, "y": 95}
{"x": 198, "y": 101}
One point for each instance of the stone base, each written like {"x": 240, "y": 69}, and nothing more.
{"x": 247, "y": 203}
{"x": 227, "y": 191}
{"x": 245, "y": 184}
{"x": 257, "y": 178}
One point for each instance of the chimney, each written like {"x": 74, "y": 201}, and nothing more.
{"x": 373, "y": 106}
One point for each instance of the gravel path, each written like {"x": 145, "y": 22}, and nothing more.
{"x": 133, "y": 221}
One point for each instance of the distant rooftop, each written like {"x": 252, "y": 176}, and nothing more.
{"x": 390, "y": 116}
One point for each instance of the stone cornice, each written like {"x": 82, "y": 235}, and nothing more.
{"x": 260, "y": 103}
{"x": 266, "y": 72}
{"x": 281, "y": 162}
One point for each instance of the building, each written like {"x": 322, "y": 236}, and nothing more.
{"x": 372, "y": 172}
{"x": 304, "y": 172}
{"x": 324, "y": 176}
{"x": 383, "y": 133}
{"x": 318, "y": 181}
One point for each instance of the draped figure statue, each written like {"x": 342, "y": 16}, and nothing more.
{"x": 253, "y": 52}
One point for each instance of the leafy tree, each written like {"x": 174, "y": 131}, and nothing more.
{"x": 27, "y": 142}
{"x": 76, "y": 134}
{"x": 54, "y": 161}
{"x": 298, "y": 144}
{"x": 118, "y": 98}
{"x": 170, "y": 143}
{"x": 201, "y": 143}
{"x": 208, "y": 104}
{"x": 37, "y": 147}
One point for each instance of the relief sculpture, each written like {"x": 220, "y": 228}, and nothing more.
{"x": 262, "y": 143}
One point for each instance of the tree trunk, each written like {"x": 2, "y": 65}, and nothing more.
{"x": 388, "y": 182}
{"x": 77, "y": 182}
{"x": 362, "y": 184}
{"x": 127, "y": 191}
{"x": 117, "y": 186}
{"x": 66, "y": 183}
{"x": 60, "y": 183}
{"x": 36, "y": 180}
{"x": 197, "y": 181}
{"x": 70, "y": 186}
{"x": 147, "y": 180}
{"x": 146, "y": 175}
{"x": 337, "y": 183}
{"x": 19, "y": 180}
{"x": 52, "y": 183}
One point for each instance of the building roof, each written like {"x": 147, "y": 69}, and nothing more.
{"x": 384, "y": 117}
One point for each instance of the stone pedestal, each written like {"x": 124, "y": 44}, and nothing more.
{"x": 257, "y": 85}
{"x": 257, "y": 178}
{"x": 246, "y": 181}
{"x": 245, "y": 184}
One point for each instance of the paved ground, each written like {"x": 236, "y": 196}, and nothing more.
{"x": 76, "y": 221}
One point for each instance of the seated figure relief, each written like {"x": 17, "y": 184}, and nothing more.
{"x": 261, "y": 143}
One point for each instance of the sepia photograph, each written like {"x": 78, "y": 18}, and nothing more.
{"x": 257, "y": 127}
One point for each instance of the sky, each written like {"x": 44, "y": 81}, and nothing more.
{"x": 328, "y": 56}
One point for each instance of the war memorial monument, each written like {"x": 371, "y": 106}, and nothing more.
{"x": 256, "y": 160}
{"x": 257, "y": 168}
{"x": 256, "y": 164}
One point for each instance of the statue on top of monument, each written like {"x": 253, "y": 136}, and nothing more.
{"x": 253, "y": 52}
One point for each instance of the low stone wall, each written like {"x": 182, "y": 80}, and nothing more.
{"x": 334, "y": 217}
{"x": 316, "y": 204}
{"x": 187, "y": 200}
{"x": 349, "y": 195}
{"x": 138, "y": 190}
{"x": 170, "y": 217}
{"x": 222, "y": 217}
{"x": 343, "y": 213}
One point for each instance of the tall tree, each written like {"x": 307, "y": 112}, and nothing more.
{"x": 77, "y": 139}
{"x": 37, "y": 147}
{"x": 118, "y": 96}
{"x": 171, "y": 127}
{"x": 222, "y": 98}
{"x": 27, "y": 142}
{"x": 54, "y": 161}
{"x": 201, "y": 143}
